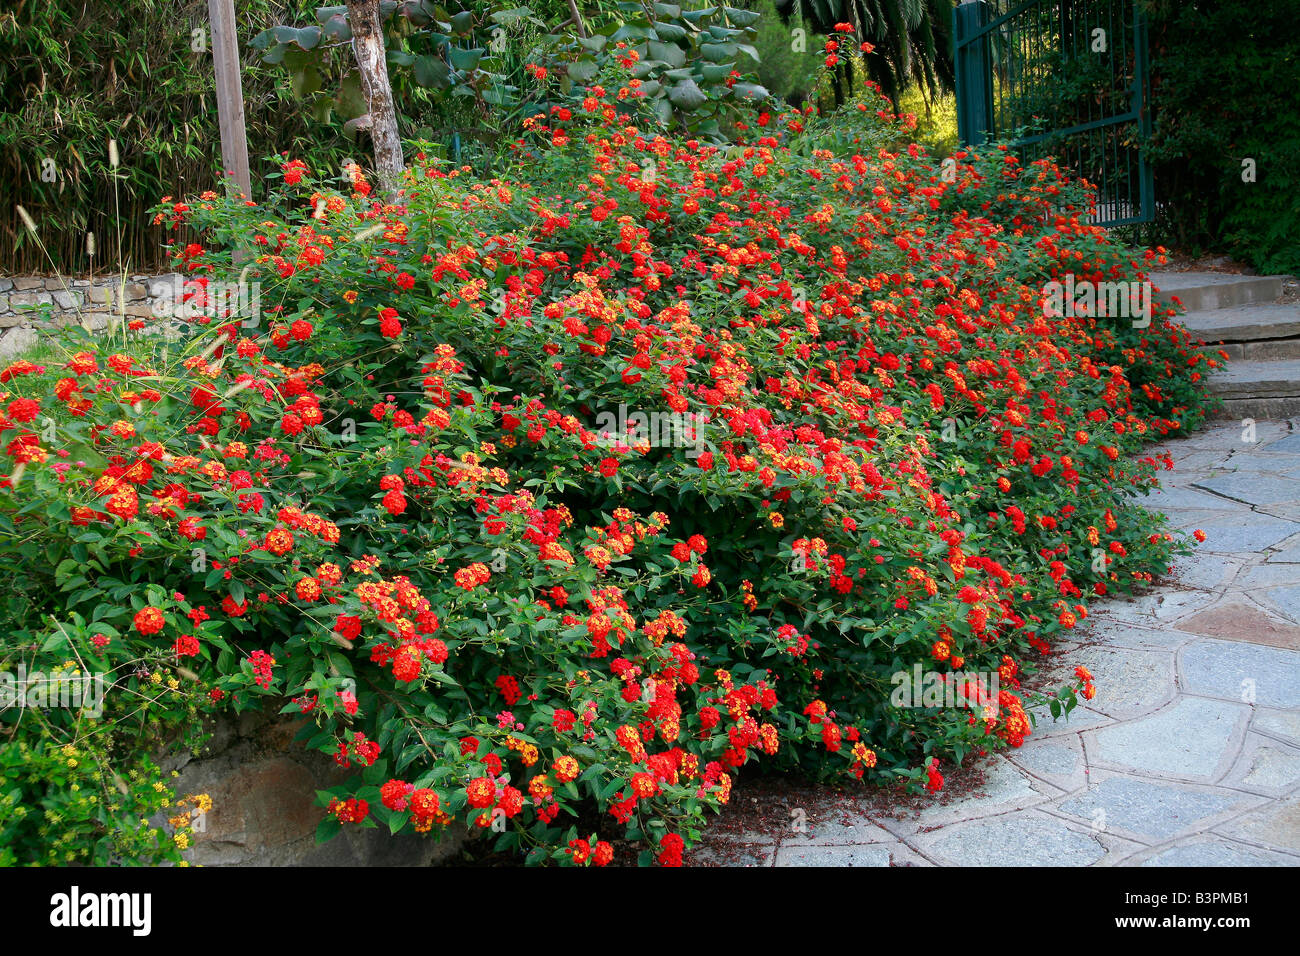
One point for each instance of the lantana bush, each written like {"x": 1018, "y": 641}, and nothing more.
{"x": 547, "y": 503}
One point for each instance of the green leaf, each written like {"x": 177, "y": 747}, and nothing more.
{"x": 583, "y": 71}
{"x": 749, "y": 91}
{"x": 669, "y": 53}
{"x": 687, "y": 95}
{"x": 431, "y": 71}
{"x": 305, "y": 82}
{"x": 466, "y": 59}
{"x": 742, "y": 18}
{"x": 718, "y": 52}
{"x": 327, "y": 829}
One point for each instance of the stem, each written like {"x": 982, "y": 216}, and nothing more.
{"x": 577, "y": 19}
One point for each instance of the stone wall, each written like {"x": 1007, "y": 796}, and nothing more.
{"x": 264, "y": 809}
{"x": 91, "y": 302}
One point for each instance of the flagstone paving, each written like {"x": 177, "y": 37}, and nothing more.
{"x": 1190, "y": 753}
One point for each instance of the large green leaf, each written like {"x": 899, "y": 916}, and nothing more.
{"x": 583, "y": 71}
{"x": 718, "y": 52}
{"x": 669, "y": 53}
{"x": 305, "y": 82}
{"x": 462, "y": 23}
{"x": 431, "y": 71}
{"x": 687, "y": 95}
{"x": 466, "y": 59}
{"x": 750, "y": 91}
{"x": 671, "y": 32}
{"x": 742, "y": 18}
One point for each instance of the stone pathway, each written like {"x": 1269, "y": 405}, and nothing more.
{"x": 1190, "y": 753}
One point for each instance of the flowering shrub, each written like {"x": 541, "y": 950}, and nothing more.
{"x": 847, "y": 441}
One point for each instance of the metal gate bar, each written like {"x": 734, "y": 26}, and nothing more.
{"x": 1066, "y": 78}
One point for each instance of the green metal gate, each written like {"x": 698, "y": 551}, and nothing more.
{"x": 1065, "y": 78}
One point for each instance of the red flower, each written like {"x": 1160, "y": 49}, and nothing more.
{"x": 262, "y": 663}
{"x": 395, "y": 793}
{"x": 350, "y": 810}
{"x": 187, "y": 645}
{"x": 24, "y": 409}
{"x": 149, "y": 621}
{"x": 670, "y": 850}
{"x": 481, "y": 792}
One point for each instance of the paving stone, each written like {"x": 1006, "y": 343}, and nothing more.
{"x": 1253, "y": 488}
{"x": 1286, "y": 512}
{"x": 1129, "y": 682}
{"x": 741, "y": 836}
{"x": 1289, "y": 445}
{"x": 733, "y": 854}
{"x": 1122, "y": 634}
{"x": 1287, "y": 602}
{"x": 1080, "y": 719}
{"x": 1278, "y": 723}
{"x": 1191, "y": 464}
{"x": 1191, "y": 739}
{"x": 1243, "y": 622}
{"x": 875, "y": 855}
{"x": 1004, "y": 787}
{"x": 1019, "y": 839}
{"x": 1159, "y": 607}
{"x": 1233, "y": 670}
{"x": 1227, "y": 436}
{"x": 837, "y": 833}
{"x": 1189, "y": 521}
{"x": 1267, "y": 576}
{"x": 1206, "y": 570}
{"x": 1265, "y": 766}
{"x": 1217, "y": 853}
{"x": 1148, "y": 810}
{"x": 1275, "y": 825}
{"x": 1059, "y": 761}
{"x": 1172, "y": 498}
{"x": 1233, "y": 536}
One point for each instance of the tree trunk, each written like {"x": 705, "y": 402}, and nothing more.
{"x": 368, "y": 47}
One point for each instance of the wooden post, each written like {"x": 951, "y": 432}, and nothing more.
{"x": 230, "y": 93}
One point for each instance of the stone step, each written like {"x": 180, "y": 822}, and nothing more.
{"x": 1257, "y": 379}
{"x": 1260, "y": 409}
{"x": 1264, "y": 350}
{"x": 1217, "y": 290}
{"x": 1244, "y": 323}
{"x": 1258, "y": 389}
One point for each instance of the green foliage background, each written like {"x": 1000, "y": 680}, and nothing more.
{"x": 74, "y": 75}
{"x": 1226, "y": 87}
